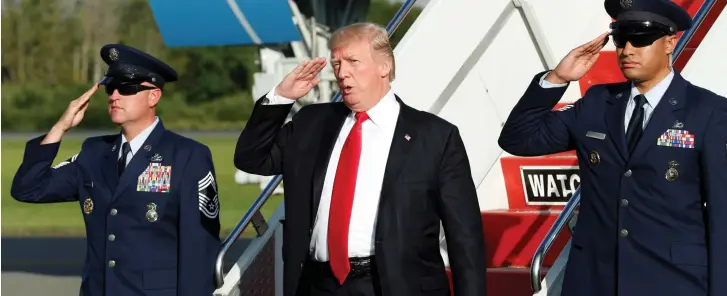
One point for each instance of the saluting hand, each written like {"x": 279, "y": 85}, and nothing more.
{"x": 71, "y": 117}
{"x": 578, "y": 61}
{"x": 301, "y": 80}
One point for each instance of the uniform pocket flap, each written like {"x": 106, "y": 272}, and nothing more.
{"x": 160, "y": 279}
{"x": 689, "y": 254}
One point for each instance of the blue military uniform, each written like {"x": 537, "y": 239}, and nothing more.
{"x": 153, "y": 228}
{"x": 652, "y": 218}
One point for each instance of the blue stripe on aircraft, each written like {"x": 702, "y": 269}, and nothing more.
{"x": 213, "y": 23}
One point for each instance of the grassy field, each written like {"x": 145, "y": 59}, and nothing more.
{"x": 64, "y": 219}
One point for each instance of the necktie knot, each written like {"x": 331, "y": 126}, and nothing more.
{"x": 125, "y": 149}
{"x": 640, "y": 100}
{"x": 362, "y": 117}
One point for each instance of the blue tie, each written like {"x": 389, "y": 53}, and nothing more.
{"x": 121, "y": 165}
{"x": 635, "y": 128}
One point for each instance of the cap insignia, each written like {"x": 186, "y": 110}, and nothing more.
{"x": 114, "y": 53}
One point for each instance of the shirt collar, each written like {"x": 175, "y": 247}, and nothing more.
{"x": 654, "y": 95}
{"x": 135, "y": 144}
{"x": 385, "y": 112}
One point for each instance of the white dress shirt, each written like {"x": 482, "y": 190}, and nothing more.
{"x": 653, "y": 97}
{"x": 136, "y": 143}
{"x": 377, "y": 135}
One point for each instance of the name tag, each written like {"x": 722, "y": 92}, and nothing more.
{"x": 595, "y": 135}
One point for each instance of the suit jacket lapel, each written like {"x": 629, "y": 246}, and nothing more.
{"x": 662, "y": 118}
{"x": 108, "y": 165}
{"x": 405, "y": 135}
{"x": 615, "y": 111}
{"x": 140, "y": 161}
{"x": 331, "y": 128}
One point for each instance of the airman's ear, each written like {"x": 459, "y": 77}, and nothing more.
{"x": 154, "y": 96}
{"x": 671, "y": 44}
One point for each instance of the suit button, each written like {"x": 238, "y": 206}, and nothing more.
{"x": 114, "y": 212}
{"x": 624, "y": 202}
{"x": 627, "y": 173}
{"x": 112, "y": 263}
{"x": 624, "y": 233}
{"x": 112, "y": 237}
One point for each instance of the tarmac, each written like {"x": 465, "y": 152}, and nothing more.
{"x": 37, "y": 266}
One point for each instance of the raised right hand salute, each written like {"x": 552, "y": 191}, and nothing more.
{"x": 71, "y": 117}
{"x": 576, "y": 64}
{"x": 301, "y": 80}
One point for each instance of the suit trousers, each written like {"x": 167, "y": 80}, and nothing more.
{"x": 318, "y": 280}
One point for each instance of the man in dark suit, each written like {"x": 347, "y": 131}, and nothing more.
{"x": 652, "y": 160}
{"x": 148, "y": 195}
{"x": 367, "y": 181}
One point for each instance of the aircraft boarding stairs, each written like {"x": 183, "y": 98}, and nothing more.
{"x": 527, "y": 243}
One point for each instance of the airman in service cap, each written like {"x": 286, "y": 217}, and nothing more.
{"x": 133, "y": 66}
{"x": 635, "y": 16}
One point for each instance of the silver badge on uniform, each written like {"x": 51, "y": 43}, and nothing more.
{"x": 672, "y": 173}
{"x": 88, "y": 206}
{"x": 678, "y": 125}
{"x": 594, "y": 158}
{"x": 147, "y": 147}
{"x": 156, "y": 157}
{"x": 151, "y": 212}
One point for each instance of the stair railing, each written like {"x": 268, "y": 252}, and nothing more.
{"x": 563, "y": 219}
{"x": 253, "y": 214}
{"x": 688, "y": 34}
{"x": 568, "y": 211}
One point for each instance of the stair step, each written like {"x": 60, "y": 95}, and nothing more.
{"x": 512, "y": 236}
{"x": 506, "y": 281}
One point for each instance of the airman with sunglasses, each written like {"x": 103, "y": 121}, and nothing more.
{"x": 148, "y": 195}
{"x": 652, "y": 156}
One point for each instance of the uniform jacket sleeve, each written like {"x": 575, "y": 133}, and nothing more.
{"x": 714, "y": 164}
{"x": 461, "y": 219}
{"x": 533, "y": 128}
{"x": 199, "y": 226}
{"x": 37, "y": 182}
{"x": 261, "y": 144}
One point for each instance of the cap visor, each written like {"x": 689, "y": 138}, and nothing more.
{"x": 105, "y": 80}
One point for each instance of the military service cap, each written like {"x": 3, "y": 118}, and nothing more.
{"x": 648, "y": 14}
{"x": 130, "y": 65}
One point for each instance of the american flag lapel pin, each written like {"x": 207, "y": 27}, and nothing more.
{"x": 407, "y": 137}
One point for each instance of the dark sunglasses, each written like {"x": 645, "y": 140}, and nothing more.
{"x": 126, "y": 89}
{"x": 639, "y": 40}
{"x": 638, "y": 33}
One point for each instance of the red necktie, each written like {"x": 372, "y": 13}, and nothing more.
{"x": 344, "y": 187}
